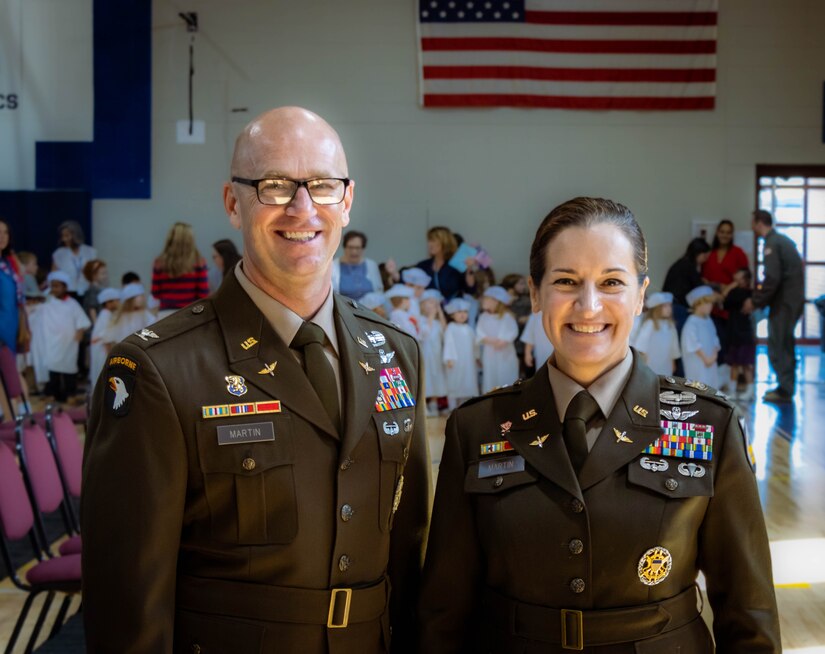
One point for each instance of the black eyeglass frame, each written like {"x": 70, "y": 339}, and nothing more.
{"x": 298, "y": 184}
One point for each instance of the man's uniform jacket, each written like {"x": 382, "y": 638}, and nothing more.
{"x": 217, "y": 520}
{"x": 507, "y": 552}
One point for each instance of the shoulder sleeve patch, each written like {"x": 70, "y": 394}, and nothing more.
{"x": 121, "y": 378}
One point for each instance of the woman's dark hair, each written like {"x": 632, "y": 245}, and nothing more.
{"x": 228, "y": 252}
{"x": 8, "y": 250}
{"x": 696, "y": 247}
{"x": 351, "y": 234}
{"x": 586, "y": 212}
{"x": 715, "y": 244}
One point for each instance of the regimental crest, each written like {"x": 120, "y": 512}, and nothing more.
{"x": 676, "y": 413}
{"x": 236, "y": 385}
{"x": 654, "y": 566}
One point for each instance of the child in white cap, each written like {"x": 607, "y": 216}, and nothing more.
{"x": 399, "y": 296}
{"x": 496, "y": 332}
{"x": 700, "y": 343}
{"x": 460, "y": 354}
{"x": 657, "y": 341}
{"x": 130, "y": 317}
{"x": 109, "y": 300}
{"x": 63, "y": 322}
{"x": 375, "y": 301}
{"x": 431, "y": 327}
{"x": 418, "y": 281}
{"x": 537, "y": 347}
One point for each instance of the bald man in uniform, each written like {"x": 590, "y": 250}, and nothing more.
{"x": 256, "y": 476}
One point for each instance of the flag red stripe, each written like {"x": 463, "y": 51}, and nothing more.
{"x": 572, "y": 74}
{"x": 568, "y": 45}
{"x": 568, "y": 102}
{"x": 687, "y": 18}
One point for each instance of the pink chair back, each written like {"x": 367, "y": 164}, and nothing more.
{"x": 42, "y": 468}
{"x": 8, "y": 371}
{"x": 16, "y": 516}
{"x": 69, "y": 450}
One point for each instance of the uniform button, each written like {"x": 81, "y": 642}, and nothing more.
{"x": 671, "y": 484}
{"x": 575, "y": 546}
{"x": 198, "y": 308}
{"x": 344, "y": 563}
{"x": 347, "y": 512}
{"x": 576, "y": 505}
{"x": 498, "y": 481}
{"x": 577, "y": 585}
{"x": 346, "y": 463}
{"x": 248, "y": 464}
{"x": 196, "y": 649}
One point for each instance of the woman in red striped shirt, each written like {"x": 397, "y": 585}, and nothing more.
{"x": 179, "y": 274}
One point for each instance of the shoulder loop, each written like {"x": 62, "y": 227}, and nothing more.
{"x": 180, "y": 322}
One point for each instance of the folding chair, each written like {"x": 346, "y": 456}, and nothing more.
{"x": 56, "y": 575}
{"x": 42, "y": 479}
{"x": 14, "y": 393}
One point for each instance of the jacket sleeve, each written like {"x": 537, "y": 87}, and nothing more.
{"x": 452, "y": 570}
{"x": 735, "y": 557}
{"x": 134, "y": 482}
{"x": 772, "y": 262}
{"x": 409, "y": 531}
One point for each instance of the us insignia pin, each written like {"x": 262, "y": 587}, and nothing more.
{"x": 366, "y": 366}
{"x": 146, "y": 334}
{"x": 236, "y": 385}
{"x": 640, "y": 410}
{"x": 529, "y": 414}
{"x": 676, "y": 413}
{"x": 621, "y": 436}
{"x": 654, "y": 566}
{"x": 249, "y": 342}
{"x": 540, "y": 440}
{"x": 268, "y": 369}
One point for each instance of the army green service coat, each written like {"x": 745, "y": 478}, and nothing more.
{"x": 545, "y": 538}
{"x": 191, "y": 545}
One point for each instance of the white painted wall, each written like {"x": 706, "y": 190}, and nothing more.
{"x": 489, "y": 174}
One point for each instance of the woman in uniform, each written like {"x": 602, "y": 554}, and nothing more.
{"x": 575, "y": 510}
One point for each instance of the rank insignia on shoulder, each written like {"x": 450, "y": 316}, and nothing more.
{"x": 676, "y": 413}
{"x": 146, "y": 334}
{"x": 539, "y": 441}
{"x": 120, "y": 384}
{"x": 236, "y": 385}
{"x": 496, "y": 447}
{"x": 621, "y": 436}
{"x": 654, "y": 566}
{"x": 393, "y": 392}
{"x": 699, "y": 386}
{"x": 671, "y": 397}
{"x": 685, "y": 440}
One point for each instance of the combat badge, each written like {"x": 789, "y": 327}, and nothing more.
{"x": 691, "y": 470}
{"x": 146, "y": 334}
{"x": 621, "y": 436}
{"x": 391, "y": 428}
{"x": 676, "y": 413}
{"x": 672, "y": 397}
{"x": 120, "y": 384}
{"x": 236, "y": 385}
{"x": 654, "y": 566}
{"x": 654, "y": 466}
{"x": 376, "y": 338}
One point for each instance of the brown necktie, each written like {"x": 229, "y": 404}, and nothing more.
{"x": 580, "y": 411}
{"x": 310, "y": 341}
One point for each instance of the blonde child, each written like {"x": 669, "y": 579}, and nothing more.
{"x": 130, "y": 317}
{"x": 460, "y": 354}
{"x": 109, "y": 300}
{"x": 431, "y": 327}
{"x": 657, "y": 341}
{"x": 700, "y": 343}
{"x": 496, "y": 332}
{"x": 400, "y": 297}
{"x": 375, "y": 301}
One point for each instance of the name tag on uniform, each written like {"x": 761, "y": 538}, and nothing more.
{"x": 254, "y": 432}
{"x": 501, "y": 466}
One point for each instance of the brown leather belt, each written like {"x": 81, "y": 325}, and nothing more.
{"x": 574, "y": 629}
{"x": 335, "y": 608}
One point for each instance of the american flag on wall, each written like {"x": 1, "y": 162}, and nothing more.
{"x": 651, "y": 55}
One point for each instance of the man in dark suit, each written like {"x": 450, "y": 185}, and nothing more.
{"x": 256, "y": 475}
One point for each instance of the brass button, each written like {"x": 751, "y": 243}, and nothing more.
{"x": 577, "y": 585}
{"x": 198, "y": 308}
{"x": 196, "y": 649}
{"x": 575, "y": 546}
{"x": 576, "y": 505}
{"x": 248, "y": 464}
{"x": 346, "y": 463}
{"x": 344, "y": 563}
{"x": 347, "y": 512}
{"x": 671, "y": 484}
{"x": 498, "y": 481}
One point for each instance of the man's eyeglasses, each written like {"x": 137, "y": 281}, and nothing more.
{"x": 280, "y": 191}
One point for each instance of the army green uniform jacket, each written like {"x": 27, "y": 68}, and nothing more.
{"x": 220, "y": 506}
{"x": 525, "y": 557}
{"x": 783, "y": 285}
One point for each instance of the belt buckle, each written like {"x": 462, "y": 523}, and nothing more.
{"x": 578, "y": 642}
{"x": 332, "y": 602}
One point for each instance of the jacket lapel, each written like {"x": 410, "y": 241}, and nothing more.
{"x": 551, "y": 459}
{"x": 610, "y": 452}
{"x": 252, "y": 344}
